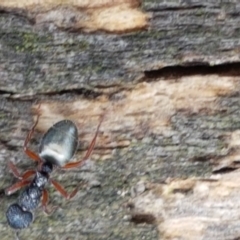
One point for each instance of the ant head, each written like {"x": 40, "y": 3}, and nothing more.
{"x": 47, "y": 167}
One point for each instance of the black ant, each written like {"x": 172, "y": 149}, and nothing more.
{"x": 57, "y": 147}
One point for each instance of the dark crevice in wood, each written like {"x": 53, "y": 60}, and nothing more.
{"x": 225, "y": 170}
{"x": 183, "y": 191}
{"x": 143, "y": 218}
{"x": 87, "y": 93}
{"x": 175, "y": 8}
{"x": 3, "y": 92}
{"x": 188, "y": 69}
{"x": 201, "y": 158}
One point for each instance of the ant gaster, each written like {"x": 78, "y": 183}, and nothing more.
{"x": 57, "y": 147}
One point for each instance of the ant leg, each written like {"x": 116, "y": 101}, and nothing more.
{"x": 28, "y": 174}
{"x": 45, "y": 201}
{"x": 60, "y": 189}
{"x": 28, "y": 152}
{"x": 89, "y": 151}
{"x": 14, "y": 170}
{"x": 16, "y": 174}
{"x": 17, "y": 235}
{"x": 16, "y": 186}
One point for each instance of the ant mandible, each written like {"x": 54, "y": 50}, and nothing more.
{"x": 57, "y": 147}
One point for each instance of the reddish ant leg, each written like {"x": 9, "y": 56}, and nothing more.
{"x": 44, "y": 203}
{"x": 28, "y": 152}
{"x": 28, "y": 174}
{"x": 16, "y": 187}
{"x": 15, "y": 172}
{"x": 89, "y": 151}
{"x": 61, "y": 190}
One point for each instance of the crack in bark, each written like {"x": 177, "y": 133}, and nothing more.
{"x": 203, "y": 68}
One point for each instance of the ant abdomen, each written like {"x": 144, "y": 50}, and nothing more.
{"x": 18, "y": 218}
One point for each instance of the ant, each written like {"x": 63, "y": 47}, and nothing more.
{"x": 57, "y": 147}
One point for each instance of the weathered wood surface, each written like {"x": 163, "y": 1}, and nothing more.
{"x": 170, "y": 94}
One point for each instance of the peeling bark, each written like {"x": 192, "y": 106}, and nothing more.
{"x": 108, "y": 15}
{"x": 193, "y": 208}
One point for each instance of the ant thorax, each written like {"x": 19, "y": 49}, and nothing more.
{"x": 40, "y": 179}
{"x": 30, "y": 198}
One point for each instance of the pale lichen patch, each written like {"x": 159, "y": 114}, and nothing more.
{"x": 107, "y": 15}
{"x": 176, "y": 228}
{"x": 116, "y": 19}
{"x": 48, "y": 4}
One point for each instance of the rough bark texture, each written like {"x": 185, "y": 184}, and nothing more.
{"x": 169, "y": 89}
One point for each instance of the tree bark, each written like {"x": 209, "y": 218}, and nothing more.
{"x": 168, "y": 86}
